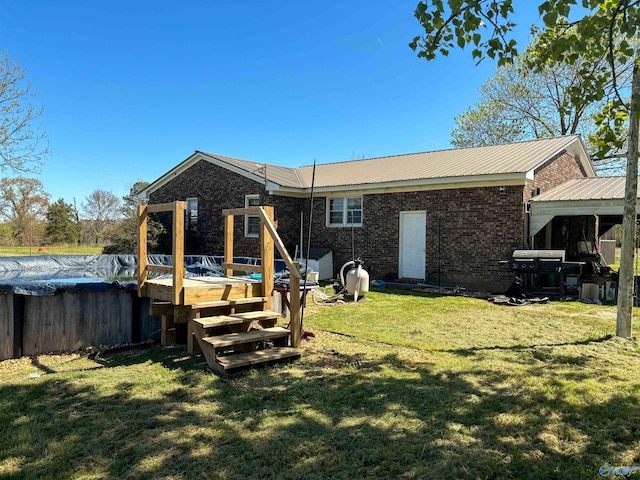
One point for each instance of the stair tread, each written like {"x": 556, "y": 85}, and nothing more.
{"x": 257, "y": 356}
{"x": 225, "y": 303}
{"x": 236, "y": 318}
{"x": 246, "y": 337}
{"x": 219, "y": 321}
{"x": 257, "y": 315}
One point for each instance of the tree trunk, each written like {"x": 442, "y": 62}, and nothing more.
{"x": 627, "y": 258}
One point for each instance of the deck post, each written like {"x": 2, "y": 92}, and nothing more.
{"x": 294, "y": 301}
{"x": 192, "y": 344}
{"x": 142, "y": 250}
{"x": 179, "y": 209}
{"x": 267, "y": 258}
{"x": 228, "y": 242}
{"x": 168, "y": 331}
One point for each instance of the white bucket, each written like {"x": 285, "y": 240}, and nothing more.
{"x": 589, "y": 291}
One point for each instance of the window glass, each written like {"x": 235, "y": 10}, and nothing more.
{"x": 336, "y": 215}
{"x": 354, "y": 211}
{"x": 345, "y": 211}
{"x": 253, "y": 226}
{"x": 354, "y": 217}
{"x": 192, "y": 214}
{"x": 354, "y": 203}
{"x": 251, "y": 222}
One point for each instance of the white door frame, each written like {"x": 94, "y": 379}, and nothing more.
{"x": 401, "y": 243}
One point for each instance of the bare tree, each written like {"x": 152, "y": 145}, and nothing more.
{"x": 99, "y": 210}
{"x": 22, "y": 144}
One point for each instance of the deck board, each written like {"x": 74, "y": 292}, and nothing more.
{"x": 230, "y": 339}
{"x": 200, "y": 289}
{"x": 258, "y": 356}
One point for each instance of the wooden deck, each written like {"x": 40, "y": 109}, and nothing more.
{"x": 229, "y": 319}
{"x": 204, "y": 289}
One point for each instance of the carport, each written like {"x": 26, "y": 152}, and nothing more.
{"x": 577, "y": 215}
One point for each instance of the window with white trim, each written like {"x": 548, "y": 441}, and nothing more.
{"x": 344, "y": 212}
{"x": 251, "y": 222}
{"x": 192, "y": 215}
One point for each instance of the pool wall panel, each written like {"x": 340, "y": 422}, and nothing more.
{"x": 74, "y": 320}
{"x": 6, "y": 326}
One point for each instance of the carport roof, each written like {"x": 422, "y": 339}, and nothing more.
{"x": 602, "y": 196}
{"x": 579, "y": 189}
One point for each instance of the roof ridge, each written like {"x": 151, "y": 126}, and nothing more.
{"x": 443, "y": 150}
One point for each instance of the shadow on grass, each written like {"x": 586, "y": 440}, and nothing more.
{"x": 154, "y": 414}
{"x": 521, "y": 347}
{"x": 414, "y": 292}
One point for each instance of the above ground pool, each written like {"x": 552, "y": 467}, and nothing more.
{"x": 69, "y": 302}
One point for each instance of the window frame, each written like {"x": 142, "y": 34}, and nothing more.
{"x": 345, "y": 211}
{"x": 247, "y": 204}
{"x": 190, "y": 225}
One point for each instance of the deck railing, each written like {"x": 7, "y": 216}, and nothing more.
{"x": 177, "y": 250}
{"x": 268, "y": 239}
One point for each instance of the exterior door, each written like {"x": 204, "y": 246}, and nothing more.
{"x": 413, "y": 242}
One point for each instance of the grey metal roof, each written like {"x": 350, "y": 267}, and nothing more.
{"x": 598, "y": 188}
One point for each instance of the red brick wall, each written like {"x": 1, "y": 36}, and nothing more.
{"x": 218, "y": 188}
{"x": 468, "y": 232}
{"x": 555, "y": 172}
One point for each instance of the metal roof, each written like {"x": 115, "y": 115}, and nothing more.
{"x": 461, "y": 164}
{"x": 598, "y": 188}
{"x": 520, "y": 157}
{"x": 274, "y": 173}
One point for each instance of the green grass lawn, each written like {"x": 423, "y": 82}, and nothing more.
{"x": 396, "y": 386}
{"x": 53, "y": 250}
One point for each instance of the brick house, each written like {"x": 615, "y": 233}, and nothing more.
{"x": 444, "y": 217}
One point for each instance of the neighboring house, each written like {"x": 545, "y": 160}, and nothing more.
{"x": 443, "y": 217}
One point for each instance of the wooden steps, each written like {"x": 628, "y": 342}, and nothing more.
{"x": 236, "y": 318}
{"x": 257, "y": 315}
{"x": 228, "y": 303}
{"x": 240, "y": 360}
{"x": 218, "y": 321}
{"x": 231, "y": 341}
{"x": 241, "y": 338}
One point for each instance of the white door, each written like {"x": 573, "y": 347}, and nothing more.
{"x": 413, "y": 242}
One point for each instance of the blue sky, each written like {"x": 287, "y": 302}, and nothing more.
{"x": 133, "y": 88}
